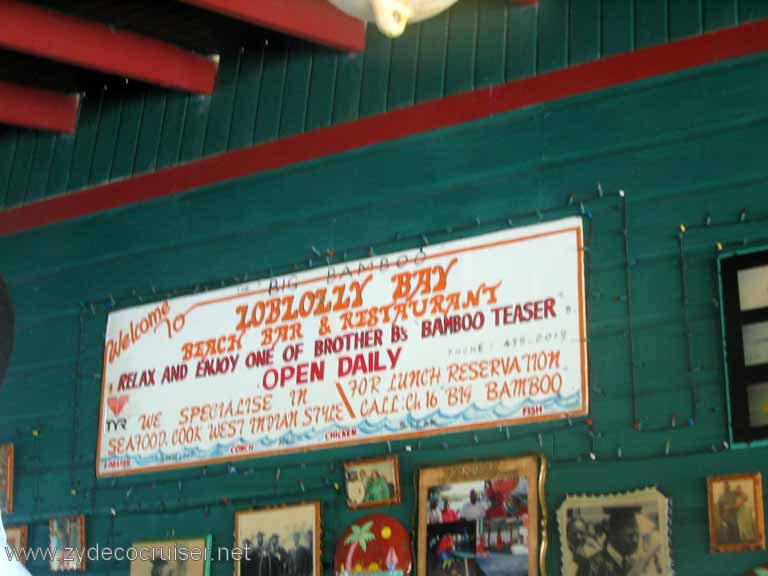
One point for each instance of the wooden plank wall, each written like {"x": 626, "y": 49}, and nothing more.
{"x": 681, "y": 147}
{"x": 282, "y": 86}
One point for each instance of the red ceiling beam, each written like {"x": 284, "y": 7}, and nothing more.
{"x": 33, "y": 30}
{"x": 314, "y": 20}
{"x": 40, "y": 109}
{"x": 710, "y": 48}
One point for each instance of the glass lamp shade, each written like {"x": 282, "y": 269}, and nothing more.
{"x": 391, "y": 16}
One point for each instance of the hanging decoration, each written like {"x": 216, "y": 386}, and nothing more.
{"x": 374, "y": 545}
{"x": 392, "y": 16}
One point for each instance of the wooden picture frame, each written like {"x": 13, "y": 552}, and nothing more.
{"x": 6, "y": 478}
{"x": 615, "y": 533}
{"x": 384, "y": 490}
{"x": 66, "y": 534}
{"x": 508, "y": 519}
{"x": 736, "y": 512}
{"x": 257, "y": 529}
{"x": 170, "y": 555}
{"x": 17, "y": 538}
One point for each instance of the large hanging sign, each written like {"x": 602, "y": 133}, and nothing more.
{"x": 486, "y": 331}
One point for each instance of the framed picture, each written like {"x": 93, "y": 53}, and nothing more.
{"x": 374, "y": 482}
{"x": 174, "y": 557}
{"x": 736, "y": 520}
{"x": 615, "y": 534}
{"x": 744, "y": 316}
{"x": 16, "y": 537}
{"x": 6, "y": 478}
{"x": 483, "y": 518}
{"x": 67, "y": 543}
{"x": 282, "y": 540}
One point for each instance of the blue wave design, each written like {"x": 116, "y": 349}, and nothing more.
{"x": 366, "y": 429}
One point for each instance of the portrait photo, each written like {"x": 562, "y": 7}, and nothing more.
{"x": 736, "y": 519}
{"x": 6, "y": 478}
{"x": 373, "y": 482}
{"x": 481, "y": 518}
{"x": 282, "y": 541}
{"x": 66, "y": 535}
{"x": 16, "y": 539}
{"x": 175, "y": 557}
{"x": 615, "y": 535}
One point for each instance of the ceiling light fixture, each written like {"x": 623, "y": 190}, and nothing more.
{"x": 391, "y": 16}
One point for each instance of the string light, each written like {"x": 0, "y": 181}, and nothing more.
{"x": 111, "y": 303}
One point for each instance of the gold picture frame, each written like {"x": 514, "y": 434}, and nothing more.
{"x": 384, "y": 490}
{"x": 736, "y": 512}
{"x": 284, "y": 522}
{"x": 17, "y": 538}
{"x": 507, "y": 523}
{"x": 67, "y": 543}
{"x": 6, "y": 478}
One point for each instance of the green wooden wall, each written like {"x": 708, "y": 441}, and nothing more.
{"x": 681, "y": 148}
{"x": 284, "y": 87}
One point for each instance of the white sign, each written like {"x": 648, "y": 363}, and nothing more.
{"x": 481, "y": 332}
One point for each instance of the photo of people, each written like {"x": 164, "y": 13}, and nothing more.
{"x": 6, "y": 478}
{"x": 372, "y": 482}
{"x": 16, "y": 539}
{"x": 616, "y": 535}
{"x": 281, "y": 541}
{"x": 478, "y": 528}
{"x": 172, "y": 558}
{"x": 736, "y": 520}
{"x": 67, "y": 534}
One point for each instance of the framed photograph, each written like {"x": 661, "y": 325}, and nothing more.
{"x": 743, "y": 279}
{"x": 174, "y": 557}
{"x": 67, "y": 544}
{"x": 282, "y": 540}
{"x": 615, "y": 534}
{"x": 483, "y": 518}
{"x": 736, "y": 520}
{"x": 374, "y": 482}
{"x": 16, "y": 537}
{"x": 6, "y": 478}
